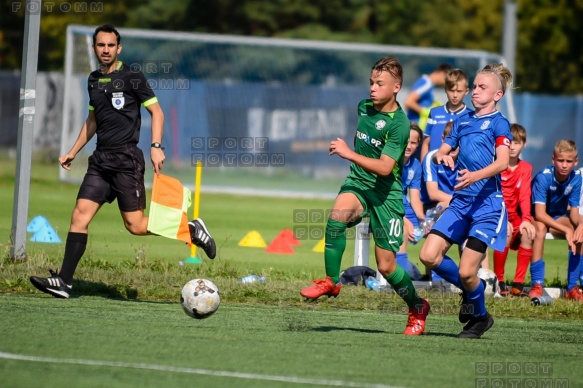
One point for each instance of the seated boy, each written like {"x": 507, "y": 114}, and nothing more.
{"x": 556, "y": 192}
{"x": 439, "y": 181}
{"x": 517, "y": 193}
{"x": 411, "y": 180}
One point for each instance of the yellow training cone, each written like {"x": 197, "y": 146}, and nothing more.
{"x": 253, "y": 240}
{"x": 319, "y": 248}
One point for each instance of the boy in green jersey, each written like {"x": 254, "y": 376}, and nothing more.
{"x": 373, "y": 188}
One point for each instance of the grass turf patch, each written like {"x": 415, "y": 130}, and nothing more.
{"x": 355, "y": 348}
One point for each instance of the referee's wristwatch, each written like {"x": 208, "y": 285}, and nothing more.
{"x": 156, "y": 145}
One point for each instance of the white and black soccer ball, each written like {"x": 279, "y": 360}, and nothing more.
{"x": 491, "y": 280}
{"x": 200, "y": 298}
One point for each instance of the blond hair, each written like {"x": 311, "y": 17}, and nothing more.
{"x": 565, "y": 145}
{"x": 391, "y": 65}
{"x": 518, "y": 132}
{"x": 453, "y": 77}
{"x": 503, "y": 74}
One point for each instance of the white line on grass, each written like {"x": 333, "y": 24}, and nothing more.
{"x": 194, "y": 371}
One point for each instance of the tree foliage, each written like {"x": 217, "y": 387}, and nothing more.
{"x": 548, "y": 56}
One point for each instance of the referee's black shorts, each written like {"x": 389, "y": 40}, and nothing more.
{"x": 116, "y": 172}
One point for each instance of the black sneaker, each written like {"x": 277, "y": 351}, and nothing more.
{"x": 201, "y": 237}
{"x": 503, "y": 289}
{"x": 53, "y": 285}
{"x": 518, "y": 290}
{"x": 477, "y": 326}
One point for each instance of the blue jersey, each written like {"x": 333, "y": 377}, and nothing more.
{"x": 438, "y": 118}
{"x": 411, "y": 177}
{"x": 581, "y": 204}
{"x": 424, "y": 88}
{"x": 477, "y": 138}
{"x": 433, "y": 172}
{"x": 556, "y": 196}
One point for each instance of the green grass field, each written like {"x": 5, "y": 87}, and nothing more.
{"x": 124, "y": 327}
{"x": 91, "y": 341}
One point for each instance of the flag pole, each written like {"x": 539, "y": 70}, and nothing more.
{"x": 193, "y": 259}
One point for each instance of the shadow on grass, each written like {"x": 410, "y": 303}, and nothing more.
{"x": 326, "y": 329}
{"x": 88, "y": 288}
{"x": 436, "y": 334}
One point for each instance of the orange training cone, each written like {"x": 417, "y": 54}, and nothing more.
{"x": 280, "y": 245}
{"x": 288, "y": 234}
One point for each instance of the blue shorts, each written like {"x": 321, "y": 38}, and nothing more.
{"x": 484, "y": 218}
{"x": 410, "y": 214}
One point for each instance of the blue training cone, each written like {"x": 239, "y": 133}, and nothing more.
{"x": 43, "y": 231}
{"x": 37, "y": 224}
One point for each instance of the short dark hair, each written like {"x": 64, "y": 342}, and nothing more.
{"x": 415, "y": 127}
{"x": 443, "y": 67}
{"x": 106, "y": 28}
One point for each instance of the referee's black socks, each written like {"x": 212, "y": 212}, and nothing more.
{"x": 74, "y": 249}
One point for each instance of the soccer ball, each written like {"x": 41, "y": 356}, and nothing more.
{"x": 200, "y": 298}
{"x": 491, "y": 280}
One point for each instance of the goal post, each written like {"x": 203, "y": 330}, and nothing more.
{"x": 258, "y": 112}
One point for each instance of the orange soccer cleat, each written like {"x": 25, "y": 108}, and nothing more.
{"x": 322, "y": 287}
{"x": 536, "y": 290}
{"x": 416, "y": 321}
{"x": 575, "y": 294}
{"x": 518, "y": 290}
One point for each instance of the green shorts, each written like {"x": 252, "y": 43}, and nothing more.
{"x": 386, "y": 216}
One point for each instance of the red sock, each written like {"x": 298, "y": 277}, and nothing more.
{"x": 522, "y": 262}
{"x": 499, "y": 262}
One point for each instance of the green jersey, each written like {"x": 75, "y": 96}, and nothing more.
{"x": 380, "y": 133}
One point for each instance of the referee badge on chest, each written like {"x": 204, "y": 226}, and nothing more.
{"x": 117, "y": 100}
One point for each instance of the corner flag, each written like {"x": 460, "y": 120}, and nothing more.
{"x": 168, "y": 208}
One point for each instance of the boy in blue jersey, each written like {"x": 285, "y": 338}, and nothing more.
{"x": 439, "y": 180}
{"x": 411, "y": 179}
{"x": 456, "y": 88}
{"x": 421, "y": 99}
{"x": 556, "y": 192}
{"x": 476, "y": 214}
{"x": 437, "y": 187}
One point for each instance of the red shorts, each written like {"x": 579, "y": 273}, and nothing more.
{"x": 515, "y": 221}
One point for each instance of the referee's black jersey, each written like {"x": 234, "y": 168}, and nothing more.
{"x": 115, "y": 99}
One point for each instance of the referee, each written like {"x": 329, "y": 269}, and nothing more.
{"x": 116, "y": 168}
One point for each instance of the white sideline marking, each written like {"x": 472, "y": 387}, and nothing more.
{"x": 194, "y": 371}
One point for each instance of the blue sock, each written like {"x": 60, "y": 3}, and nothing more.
{"x": 573, "y": 270}
{"x": 581, "y": 271}
{"x": 403, "y": 260}
{"x": 537, "y": 272}
{"x": 477, "y": 299}
{"x": 435, "y": 277}
{"x": 449, "y": 271}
